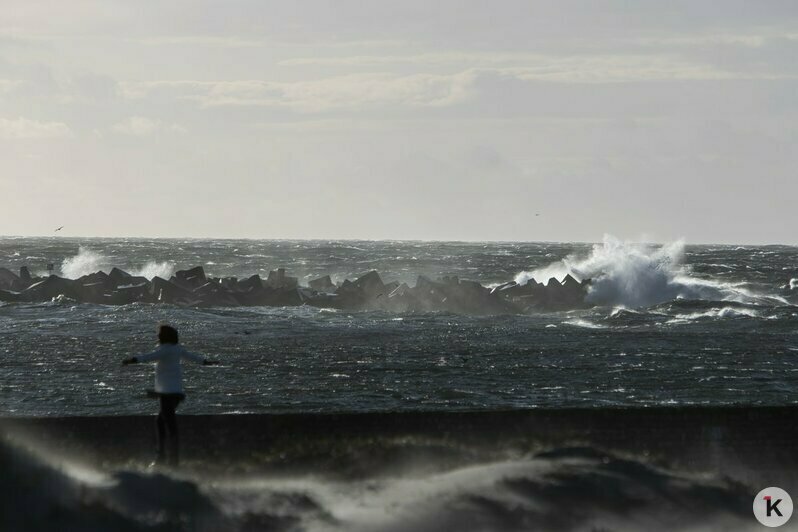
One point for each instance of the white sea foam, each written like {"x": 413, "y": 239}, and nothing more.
{"x": 722, "y": 312}
{"x": 85, "y": 262}
{"x": 152, "y": 269}
{"x": 584, "y": 324}
{"x": 793, "y": 284}
{"x": 638, "y": 275}
{"x": 618, "y": 311}
{"x": 89, "y": 261}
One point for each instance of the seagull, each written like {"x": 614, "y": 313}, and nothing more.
{"x": 58, "y": 229}
{"x": 537, "y": 214}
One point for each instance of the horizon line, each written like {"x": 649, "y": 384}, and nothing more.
{"x": 423, "y": 240}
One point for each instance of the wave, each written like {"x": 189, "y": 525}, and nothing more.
{"x": 639, "y": 275}
{"x": 85, "y": 262}
{"x": 152, "y": 269}
{"x": 44, "y": 491}
{"x": 720, "y": 312}
{"x": 586, "y": 324}
{"x": 569, "y": 488}
{"x": 89, "y": 261}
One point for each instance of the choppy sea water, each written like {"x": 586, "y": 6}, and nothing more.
{"x": 677, "y": 325}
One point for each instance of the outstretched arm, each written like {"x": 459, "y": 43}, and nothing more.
{"x": 149, "y": 357}
{"x": 198, "y": 358}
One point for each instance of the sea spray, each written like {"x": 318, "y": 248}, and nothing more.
{"x": 492, "y": 490}
{"x": 153, "y": 268}
{"x": 89, "y": 261}
{"x": 638, "y": 275}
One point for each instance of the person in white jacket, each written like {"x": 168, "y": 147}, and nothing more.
{"x": 168, "y": 388}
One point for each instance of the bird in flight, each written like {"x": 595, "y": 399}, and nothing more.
{"x": 58, "y": 229}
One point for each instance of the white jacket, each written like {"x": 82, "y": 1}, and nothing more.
{"x": 168, "y": 375}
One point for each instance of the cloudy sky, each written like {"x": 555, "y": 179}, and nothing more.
{"x": 463, "y": 120}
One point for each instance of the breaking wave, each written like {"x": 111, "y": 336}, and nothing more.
{"x": 569, "y": 488}
{"x": 88, "y": 261}
{"x": 85, "y": 262}
{"x": 639, "y": 275}
{"x": 722, "y": 312}
{"x": 152, "y": 269}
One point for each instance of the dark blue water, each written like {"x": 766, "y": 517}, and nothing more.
{"x": 675, "y": 325}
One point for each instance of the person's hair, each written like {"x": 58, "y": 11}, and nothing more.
{"x": 167, "y": 334}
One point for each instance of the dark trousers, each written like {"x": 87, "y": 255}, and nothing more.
{"x": 168, "y": 440}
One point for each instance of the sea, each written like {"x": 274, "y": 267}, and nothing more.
{"x": 672, "y": 325}
{"x": 675, "y": 324}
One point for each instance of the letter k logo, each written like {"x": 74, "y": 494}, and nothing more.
{"x": 772, "y": 506}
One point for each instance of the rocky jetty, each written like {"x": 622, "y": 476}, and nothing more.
{"x": 192, "y": 287}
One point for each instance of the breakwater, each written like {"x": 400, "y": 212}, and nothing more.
{"x": 192, "y": 287}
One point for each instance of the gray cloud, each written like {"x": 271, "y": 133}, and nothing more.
{"x": 24, "y": 128}
{"x": 141, "y": 126}
{"x": 315, "y": 95}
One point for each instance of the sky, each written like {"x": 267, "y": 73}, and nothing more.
{"x": 445, "y": 120}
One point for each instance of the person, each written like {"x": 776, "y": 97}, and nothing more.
{"x": 168, "y": 388}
